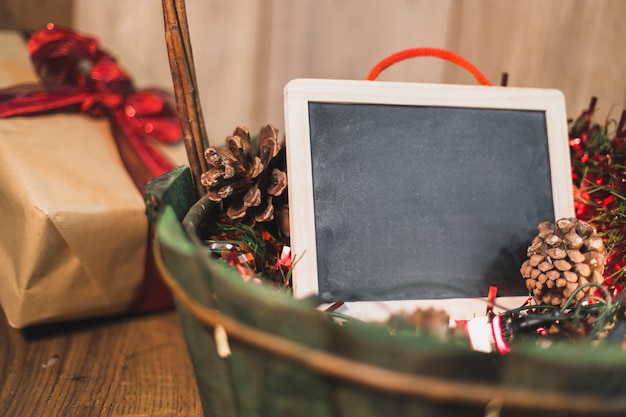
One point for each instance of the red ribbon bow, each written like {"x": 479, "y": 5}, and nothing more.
{"x": 77, "y": 76}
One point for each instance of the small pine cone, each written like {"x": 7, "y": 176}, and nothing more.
{"x": 561, "y": 258}
{"x": 429, "y": 320}
{"x": 247, "y": 183}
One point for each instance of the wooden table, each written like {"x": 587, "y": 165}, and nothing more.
{"x": 129, "y": 366}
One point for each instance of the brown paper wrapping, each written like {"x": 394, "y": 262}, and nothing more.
{"x": 73, "y": 230}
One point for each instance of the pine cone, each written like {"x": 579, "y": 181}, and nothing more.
{"x": 429, "y": 320}
{"x": 244, "y": 182}
{"x": 561, "y": 258}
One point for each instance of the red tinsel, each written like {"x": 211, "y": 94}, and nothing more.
{"x": 77, "y": 76}
{"x": 598, "y": 156}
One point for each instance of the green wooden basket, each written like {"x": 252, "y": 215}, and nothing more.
{"x": 288, "y": 359}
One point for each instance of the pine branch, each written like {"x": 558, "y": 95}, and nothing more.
{"x": 598, "y": 154}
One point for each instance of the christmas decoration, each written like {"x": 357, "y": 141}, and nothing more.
{"x": 247, "y": 183}
{"x": 252, "y": 229}
{"x": 599, "y": 319}
{"x": 598, "y": 155}
{"x": 561, "y": 258}
{"x": 565, "y": 266}
{"x": 74, "y": 234}
{"x": 253, "y": 251}
{"x": 77, "y": 76}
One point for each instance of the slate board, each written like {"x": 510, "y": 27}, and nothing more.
{"x": 424, "y": 201}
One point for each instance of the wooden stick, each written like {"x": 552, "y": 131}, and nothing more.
{"x": 504, "y": 79}
{"x": 184, "y": 30}
{"x": 185, "y": 87}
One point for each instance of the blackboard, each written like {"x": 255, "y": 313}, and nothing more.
{"x": 412, "y": 191}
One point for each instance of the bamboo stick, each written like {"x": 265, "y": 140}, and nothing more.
{"x": 185, "y": 87}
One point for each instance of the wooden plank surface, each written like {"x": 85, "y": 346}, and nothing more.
{"x": 132, "y": 366}
{"x": 246, "y": 51}
{"x": 34, "y": 14}
{"x": 572, "y": 45}
{"x": 576, "y": 46}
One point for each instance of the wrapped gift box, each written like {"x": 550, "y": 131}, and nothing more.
{"x": 73, "y": 228}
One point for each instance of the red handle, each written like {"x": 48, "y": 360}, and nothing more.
{"x": 434, "y": 52}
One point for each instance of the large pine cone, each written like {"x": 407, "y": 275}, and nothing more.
{"x": 561, "y": 258}
{"x": 247, "y": 183}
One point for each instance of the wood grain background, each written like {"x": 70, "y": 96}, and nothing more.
{"x": 245, "y": 51}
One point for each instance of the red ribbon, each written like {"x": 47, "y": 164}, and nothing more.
{"x": 77, "y": 76}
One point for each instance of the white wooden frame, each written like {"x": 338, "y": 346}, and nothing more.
{"x": 298, "y": 93}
